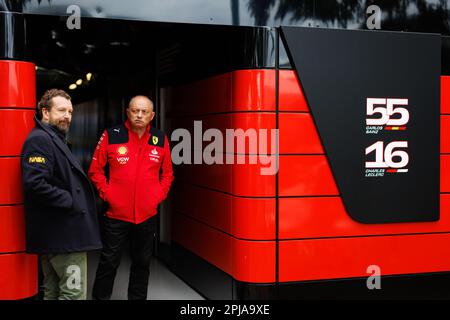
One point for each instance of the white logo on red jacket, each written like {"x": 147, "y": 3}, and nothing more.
{"x": 154, "y": 155}
{"x": 123, "y": 160}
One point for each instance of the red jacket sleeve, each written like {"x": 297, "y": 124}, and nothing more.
{"x": 97, "y": 169}
{"x": 166, "y": 175}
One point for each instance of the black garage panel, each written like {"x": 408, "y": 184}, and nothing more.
{"x": 374, "y": 97}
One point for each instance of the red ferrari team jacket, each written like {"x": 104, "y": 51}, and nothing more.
{"x": 140, "y": 172}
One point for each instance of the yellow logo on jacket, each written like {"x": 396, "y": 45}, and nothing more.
{"x": 155, "y": 140}
{"x": 122, "y": 150}
{"x": 36, "y": 160}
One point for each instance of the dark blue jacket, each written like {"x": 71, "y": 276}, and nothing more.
{"x": 60, "y": 207}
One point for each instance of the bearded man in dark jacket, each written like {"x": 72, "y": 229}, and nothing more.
{"x": 60, "y": 208}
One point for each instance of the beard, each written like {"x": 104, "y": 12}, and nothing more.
{"x": 61, "y": 125}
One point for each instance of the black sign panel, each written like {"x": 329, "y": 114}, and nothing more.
{"x": 374, "y": 97}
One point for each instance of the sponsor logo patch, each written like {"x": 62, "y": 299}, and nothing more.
{"x": 123, "y": 160}
{"x": 36, "y": 160}
{"x": 154, "y": 155}
{"x": 122, "y": 150}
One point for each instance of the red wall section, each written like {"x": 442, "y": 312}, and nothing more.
{"x": 306, "y": 176}
{"x": 325, "y": 217}
{"x": 15, "y": 124}
{"x": 18, "y": 276}
{"x": 18, "y": 271}
{"x": 242, "y": 90}
{"x": 298, "y": 134}
{"x": 253, "y": 90}
{"x": 243, "y": 180}
{"x": 17, "y": 85}
{"x": 302, "y": 260}
{"x": 249, "y": 123}
{"x": 12, "y": 229}
{"x": 445, "y": 95}
{"x": 319, "y": 240}
{"x": 445, "y": 134}
{"x": 10, "y": 192}
{"x": 226, "y": 214}
{"x": 249, "y": 261}
{"x": 291, "y": 97}
{"x": 244, "y": 218}
{"x": 445, "y": 173}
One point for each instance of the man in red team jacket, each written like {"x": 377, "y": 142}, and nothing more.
{"x": 140, "y": 175}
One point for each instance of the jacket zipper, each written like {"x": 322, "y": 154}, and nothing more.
{"x": 135, "y": 180}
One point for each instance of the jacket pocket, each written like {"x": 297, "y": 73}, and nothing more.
{"x": 76, "y": 208}
{"x": 77, "y": 205}
{"x": 118, "y": 198}
{"x": 150, "y": 195}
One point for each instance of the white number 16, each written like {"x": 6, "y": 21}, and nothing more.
{"x": 385, "y": 159}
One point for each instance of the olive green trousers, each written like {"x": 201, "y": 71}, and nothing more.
{"x": 65, "y": 276}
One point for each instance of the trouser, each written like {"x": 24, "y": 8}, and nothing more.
{"x": 64, "y": 276}
{"x": 115, "y": 234}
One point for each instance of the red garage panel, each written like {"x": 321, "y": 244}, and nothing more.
{"x": 213, "y": 246}
{"x": 305, "y": 176}
{"x": 298, "y": 134}
{"x": 242, "y": 90}
{"x": 291, "y": 97}
{"x": 11, "y": 186}
{"x": 18, "y": 276}
{"x": 18, "y": 271}
{"x": 17, "y": 84}
{"x": 254, "y": 261}
{"x": 15, "y": 124}
{"x": 253, "y": 90}
{"x": 445, "y": 94}
{"x": 246, "y": 126}
{"x": 349, "y": 257}
{"x": 326, "y": 217}
{"x": 445, "y": 134}
{"x": 445, "y": 173}
{"x": 204, "y": 96}
{"x": 249, "y": 261}
{"x": 245, "y": 218}
{"x": 253, "y": 218}
{"x": 236, "y": 179}
{"x": 12, "y": 229}
{"x": 242, "y": 120}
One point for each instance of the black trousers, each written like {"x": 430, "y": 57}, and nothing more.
{"x": 115, "y": 234}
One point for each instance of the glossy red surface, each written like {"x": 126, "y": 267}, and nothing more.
{"x": 11, "y": 186}
{"x": 12, "y": 229}
{"x": 18, "y": 276}
{"x": 15, "y": 124}
{"x": 17, "y": 84}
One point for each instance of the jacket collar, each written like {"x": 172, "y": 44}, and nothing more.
{"x": 128, "y": 126}
{"x": 46, "y": 128}
{"x": 52, "y": 131}
{"x": 59, "y": 143}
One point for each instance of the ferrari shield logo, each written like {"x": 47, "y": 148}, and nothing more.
{"x": 155, "y": 139}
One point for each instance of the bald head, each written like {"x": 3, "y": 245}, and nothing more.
{"x": 140, "y": 101}
{"x": 140, "y": 112}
